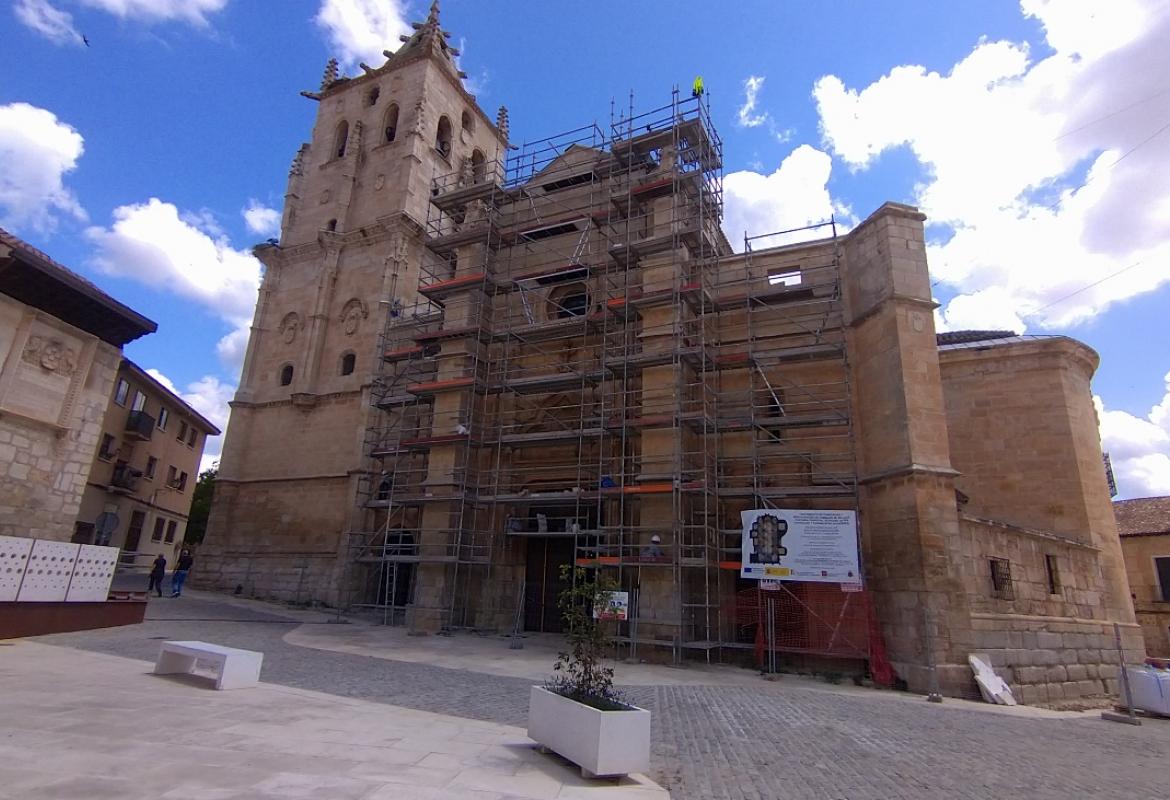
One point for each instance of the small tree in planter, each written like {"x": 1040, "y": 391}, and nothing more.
{"x": 580, "y": 673}
{"x": 578, "y": 713}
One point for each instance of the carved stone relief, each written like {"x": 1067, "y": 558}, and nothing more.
{"x": 51, "y": 355}
{"x": 289, "y": 327}
{"x": 352, "y": 315}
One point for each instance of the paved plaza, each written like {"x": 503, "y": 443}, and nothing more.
{"x": 718, "y": 732}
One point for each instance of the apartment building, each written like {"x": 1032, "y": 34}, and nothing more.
{"x": 140, "y": 484}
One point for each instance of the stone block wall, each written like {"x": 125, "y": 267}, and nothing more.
{"x": 1050, "y": 659}
{"x": 55, "y": 383}
{"x": 279, "y": 539}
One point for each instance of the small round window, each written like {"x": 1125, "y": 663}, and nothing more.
{"x": 568, "y": 301}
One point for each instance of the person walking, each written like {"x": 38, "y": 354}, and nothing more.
{"x": 158, "y": 571}
{"x": 182, "y": 567}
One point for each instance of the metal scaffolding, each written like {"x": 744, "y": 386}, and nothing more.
{"x": 591, "y": 376}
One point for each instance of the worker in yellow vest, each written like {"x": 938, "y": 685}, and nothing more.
{"x": 697, "y": 87}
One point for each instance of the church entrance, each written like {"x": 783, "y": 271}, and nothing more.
{"x": 542, "y": 581}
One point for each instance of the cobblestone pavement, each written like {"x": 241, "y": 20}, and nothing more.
{"x": 743, "y": 743}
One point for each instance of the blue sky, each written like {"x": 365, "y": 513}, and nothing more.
{"x": 1035, "y": 135}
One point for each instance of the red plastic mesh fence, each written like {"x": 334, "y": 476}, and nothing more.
{"x": 813, "y": 619}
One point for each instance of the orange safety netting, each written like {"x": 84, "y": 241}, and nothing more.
{"x": 813, "y": 619}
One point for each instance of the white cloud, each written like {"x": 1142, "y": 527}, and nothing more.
{"x": 210, "y": 397}
{"x": 46, "y": 19}
{"x": 261, "y": 219}
{"x": 747, "y": 117}
{"x": 194, "y": 12}
{"x": 796, "y": 194}
{"x": 1138, "y": 447}
{"x": 359, "y": 30}
{"x": 232, "y": 348}
{"x": 36, "y": 151}
{"x": 1041, "y": 177}
{"x": 185, "y": 254}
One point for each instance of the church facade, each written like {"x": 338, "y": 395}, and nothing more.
{"x": 474, "y": 364}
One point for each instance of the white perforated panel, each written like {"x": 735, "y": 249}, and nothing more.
{"x": 92, "y": 574}
{"x": 50, "y": 565}
{"x": 13, "y": 559}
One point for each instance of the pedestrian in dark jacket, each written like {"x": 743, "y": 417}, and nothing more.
{"x": 158, "y": 571}
{"x": 182, "y": 567}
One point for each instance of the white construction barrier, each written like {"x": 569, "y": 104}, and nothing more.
{"x": 43, "y": 571}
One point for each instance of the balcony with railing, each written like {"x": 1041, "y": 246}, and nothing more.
{"x": 125, "y": 478}
{"x": 140, "y": 425}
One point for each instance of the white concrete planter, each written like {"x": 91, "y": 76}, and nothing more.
{"x": 600, "y": 742}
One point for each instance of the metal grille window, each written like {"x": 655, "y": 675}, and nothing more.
{"x": 1001, "y": 579}
{"x": 1053, "y": 568}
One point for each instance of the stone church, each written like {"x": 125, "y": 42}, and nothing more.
{"x": 474, "y": 363}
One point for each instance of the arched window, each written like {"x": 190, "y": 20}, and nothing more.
{"x": 568, "y": 301}
{"x": 390, "y": 123}
{"x": 467, "y": 122}
{"x": 477, "y": 166}
{"x": 372, "y": 96}
{"x": 443, "y": 136}
{"x": 331, "y": 225}
{"x": 348, "y": 362}
{"x": 286, "y": 374}
{"x": 342, "y": 139}
{"x": 384, "y": 487}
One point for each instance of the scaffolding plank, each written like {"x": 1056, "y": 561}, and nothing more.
{"x": 449, "y": 333}
{"x": 808, "y": 420}
{"x": 449, "y": 385}
{"x": 537, "y": 437}
{"x": 443, "y": 288}
{"x": 402, "y": 353}
{"x": 446, "y": 199}
{"x": 537, "y": 384}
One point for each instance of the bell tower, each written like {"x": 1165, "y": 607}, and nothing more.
{"x": 348, "y": 255}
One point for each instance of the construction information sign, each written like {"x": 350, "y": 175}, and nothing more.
{"x": 800, "y": 545}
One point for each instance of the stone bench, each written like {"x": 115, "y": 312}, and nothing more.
{"x": 238, "y": 669}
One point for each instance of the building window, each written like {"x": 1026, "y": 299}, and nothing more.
{"x": 151, "y": 467}
{"x": 192, "y": 436}
{"x": 1162, "y": 570}
{"x": 171, "y": 526}
{"x": 157, "y": 534}
{"x": 568, "y": 301}
{"x": 1001, "y": 579}
{"x": 123, "y": 391}
{"x": 390, "y": 123}
{"x": 342, "y": 139}
{"x": 785, "y": 277}
{"x": 1053, "y": 569}
{"x": 331, "y": 225}
{"x": 163, "y": 417}
{"x": 172, "y": 476}
{"x": 443, "y": 137}
{"x": 182, "y": 431}
{"x": 139, "y": 401}
{"x": 372, "y": 96}
{"x": 477, "y": 166}
{"x": 348, "y": 362}
{"x": 466, "y": 121}
{"x": 107, "y": 450}
{"x": 286, "y": 375}
{"x": 182, "y": 486}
